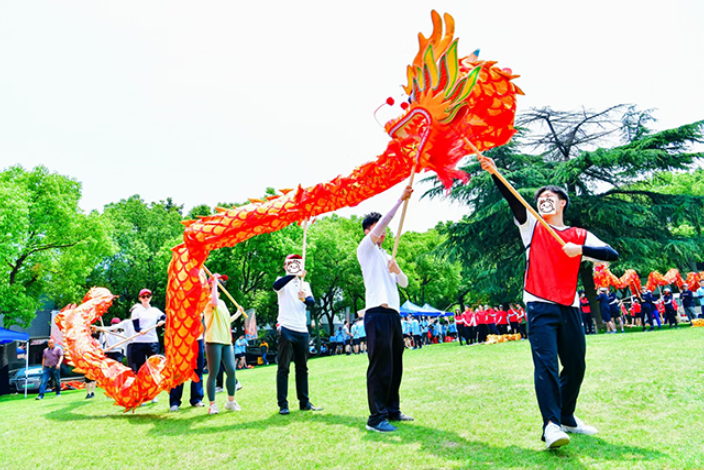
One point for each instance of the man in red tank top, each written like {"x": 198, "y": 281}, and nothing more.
{"x": 550, "y": 294}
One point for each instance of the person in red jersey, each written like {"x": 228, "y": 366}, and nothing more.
{"x": 482, "y": 328}
{"x": 502, "y": 320}
{"x": 470, "y": 320}
{"x": 586, "y": 311}
{"x": 461, "y": 325}
{"x": 550, "y": 295}
{"x": 490, "y": 317}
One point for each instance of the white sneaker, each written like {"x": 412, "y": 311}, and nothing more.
{"x": 198, "y": 404}
{"x": 213, "y": 410}
{"x": 155, "y": 400}
{"x": 173, "y": 408}
{"x": 238, "y": 386}
{"x": 219, "y": 389}
{"x": 581, "y": 428}
{"x": 555, "y": 436}
{"x": 232, "y": 406}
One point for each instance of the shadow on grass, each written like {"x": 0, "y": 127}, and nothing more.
{"x": 442, "y": 443}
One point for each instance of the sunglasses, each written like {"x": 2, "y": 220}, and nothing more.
{"x": 145, "y": 296}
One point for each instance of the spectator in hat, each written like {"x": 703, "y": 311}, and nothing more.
{"x": 144, "y": 318}
{"x": 107, "y": 340}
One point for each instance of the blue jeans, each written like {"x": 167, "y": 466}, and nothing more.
{"x": 556, "y": 332}
{"x": 196, "y": 387}
{"x": 47, "y": 374}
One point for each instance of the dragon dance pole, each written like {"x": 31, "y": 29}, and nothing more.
{"x": 530, "y": 209}
{"x": 403, "y": 213}
{"x": 303, "y": 251}
{"x": 222, "y": 288}
{"x": 126, "y": 340}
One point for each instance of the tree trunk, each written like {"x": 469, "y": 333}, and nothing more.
{"x": 585, "y": 273}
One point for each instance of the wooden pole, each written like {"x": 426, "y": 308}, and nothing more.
{"x": 132, "y": 337}
{"x": 303, "y": 252}
{"x": 528, "y": 207}
{"x": 403, "y": 214}
{"x": 222, "y": 288}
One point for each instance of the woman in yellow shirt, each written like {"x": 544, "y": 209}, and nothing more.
{"x": 218, "y": 347}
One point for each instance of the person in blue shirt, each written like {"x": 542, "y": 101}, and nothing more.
{"x": 438, "y": 331}
{"x": 340, "y": 340}
{"x": 452, "y": 330}
{"x": 700, "y": 296}
{"x": 687, "y": 297}
{"x": 333, "y": 344}
{"x": 416, "y": 332}
{"x": 649, "y": 309}
{"x": 354, "y": 331}
{"x": 241, "y": 352}
{"x": 406, "y": 329}
{"x": 362, "y": 336}
{"x": 424, "y": 331}
{"x": 615, "y": 308}
{"x": 603, "y": 299}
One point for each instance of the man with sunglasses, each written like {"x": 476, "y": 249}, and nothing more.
{"x": 144, "y": 317}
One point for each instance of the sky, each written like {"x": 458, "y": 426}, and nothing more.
{"x": 211, "y": 102}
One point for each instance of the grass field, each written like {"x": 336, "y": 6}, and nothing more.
{"x": 474, "y": 408}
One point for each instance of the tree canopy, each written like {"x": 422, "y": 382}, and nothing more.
{"x": 48, "y": 246}
{"x": 613, "y": 192}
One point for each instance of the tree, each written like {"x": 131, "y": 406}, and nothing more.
{"x": 334, "y": 273}
{"x": 144, "y": 235}
{"x": 48, "y": 245}
{"x": 432, "y": 278}
{"x": 606, "y": 190}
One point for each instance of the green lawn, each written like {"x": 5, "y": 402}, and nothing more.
{"x": 474, "y": 408}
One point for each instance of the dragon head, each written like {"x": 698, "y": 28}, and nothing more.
{"x": 453, "y": 98}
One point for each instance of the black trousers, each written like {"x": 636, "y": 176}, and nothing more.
{"x": 141, "y": 352}
{"x": 556, "y": 332}
{"x": 471, "y": 334}
{"x": 461, "y": 333}
{"x": 482, "y": 332}
{"x": 197, "y": 394}
{"x": 514, "y": 327}
{"x": 503, "y": 329}
{"x": 292, "y": 345}
{"x": 588, "y": 323}
{"x": 385, "y": 351}
{"x": 417, "y": 341}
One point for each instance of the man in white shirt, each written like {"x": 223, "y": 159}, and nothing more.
{"x": 382, "y": 322}
{"x": 294, "y": 296}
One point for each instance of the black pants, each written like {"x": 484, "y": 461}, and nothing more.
{"x": 588, "y": 323}
{"x": 385, "y": 351}
{"x": 556, "y": 332}
{"x": 417, "y": 341}
{"x": 492, "y": 329}
{"x": 292, "y": 345}
{"x": 471, "y": 334}
{"x": 141, "y": 352}
{"x": 196, "y": 387}
{"x": 514, "y": 328}
{"x": 671, "y": 317}
{"x": 461, "y": 333}
{"x": 115, "y": 355}
{"x": 503, "y": 330}
{"x": 482, "y": 331}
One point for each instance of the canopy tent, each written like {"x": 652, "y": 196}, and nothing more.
{"x": 435, "y": 312}
{"x": 409, "y": 308}
{"x": 8, "y": 336}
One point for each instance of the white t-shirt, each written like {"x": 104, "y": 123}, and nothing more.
{"x": 527, "y": 236}
{"x": 147, "y": 318}
{"x": 292, "y": 312}
{"x": 379, "y": 283}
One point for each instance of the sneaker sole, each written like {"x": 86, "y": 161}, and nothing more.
{"x": 559, "y": 443}
{"x": 370, "y": 428}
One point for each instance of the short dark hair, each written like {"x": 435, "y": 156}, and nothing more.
{"x": 561, "y": 193}
{"x": 370, "y": 219}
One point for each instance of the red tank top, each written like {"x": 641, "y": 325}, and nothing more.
{"x": 585, "y": 305}
{"x": 551, "y": 274}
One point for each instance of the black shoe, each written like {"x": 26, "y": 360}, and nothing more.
{"x": 310, "y": 407}
{"x": 284, "y": 411}
{"x": 401, "y": 417}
